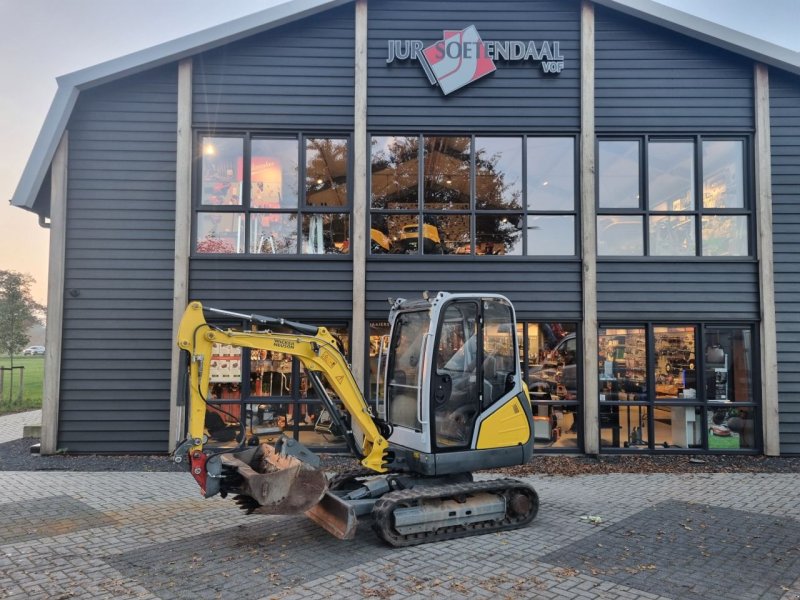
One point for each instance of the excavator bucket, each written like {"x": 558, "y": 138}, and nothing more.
{"x": 335, "y": 516}
{"x": 277, "y": 482}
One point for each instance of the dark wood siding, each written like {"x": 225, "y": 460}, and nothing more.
{"x": 516, "y": 97}
{"x": 537, "y": 289}
{"x": 295, "y": 77}
{"x": 115, "y": 370}
{"x": 674, "y": 291}
{"x": 785, "y": 133}
{"x": 649, "y": 79}
{"x": 310, "y": 290}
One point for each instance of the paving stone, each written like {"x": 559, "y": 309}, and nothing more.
{"x": 695, "y": 551}
{"x": 150, "y": 535}
{"x": 46, "y": 517}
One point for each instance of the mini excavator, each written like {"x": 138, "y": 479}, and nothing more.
{"x": 453, "y": 402}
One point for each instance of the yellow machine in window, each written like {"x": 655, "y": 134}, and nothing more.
{"x": 454, "y": 402}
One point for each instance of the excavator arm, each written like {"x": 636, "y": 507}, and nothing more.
{"x": 314, "y": 346}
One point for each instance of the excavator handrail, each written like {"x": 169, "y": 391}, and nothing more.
{"x": 315, "y": 347}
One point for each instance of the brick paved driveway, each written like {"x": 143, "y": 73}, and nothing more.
{"x": 148, "y": 535}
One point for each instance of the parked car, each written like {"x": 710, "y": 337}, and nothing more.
{"x": 33, "y": 351}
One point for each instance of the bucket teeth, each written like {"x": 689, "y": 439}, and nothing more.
{"x": 272, "y": 483}
{"x": 246, "y": 503}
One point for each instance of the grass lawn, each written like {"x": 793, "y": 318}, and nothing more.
{"x": 32, "y": 389}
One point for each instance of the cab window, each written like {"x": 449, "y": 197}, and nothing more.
{"x": 404, "y": 365}
{"x": 454, "y": 388}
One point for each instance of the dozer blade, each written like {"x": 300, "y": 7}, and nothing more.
{"x": 278, "y": 484}
{"x": 334, "y": 515}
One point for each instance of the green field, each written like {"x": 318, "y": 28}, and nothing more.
{"x": 32, "y": 389}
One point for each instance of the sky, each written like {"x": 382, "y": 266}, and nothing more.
{"x": 43, "y": 39}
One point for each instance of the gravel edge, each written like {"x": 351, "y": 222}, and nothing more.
{"x": 16, "y": 456}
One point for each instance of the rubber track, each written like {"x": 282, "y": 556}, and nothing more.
{"x": 384, "y": 508}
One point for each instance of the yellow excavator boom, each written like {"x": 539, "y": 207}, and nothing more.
{"x": 317, "y": 352}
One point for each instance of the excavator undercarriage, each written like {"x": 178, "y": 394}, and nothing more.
{"x": 405, "y": 509}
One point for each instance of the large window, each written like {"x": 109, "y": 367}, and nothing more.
{"x": 672, "y": 197}
{"x": 273, "y": 195}
{"x": 473, "y": 195}
{"x": 550, "y": 356}
{"x": 677, "y": 387}
{"x": 269, "y": 394}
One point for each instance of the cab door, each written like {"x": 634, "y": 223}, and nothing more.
{"x": 405, "y": 380}
{"x": 455, "y": 380}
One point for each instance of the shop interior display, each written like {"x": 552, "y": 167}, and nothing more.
{"x": 274, "y": 408}
{"x": 552, "y": 382}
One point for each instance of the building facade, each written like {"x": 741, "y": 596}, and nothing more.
{"x": 627, "y": 175}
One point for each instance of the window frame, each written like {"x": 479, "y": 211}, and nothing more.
{"x": 248, "y": 137}
{"x": 700, "y": 401}
{"x": 473, "y": 212}
{"x": 645, "y": 212}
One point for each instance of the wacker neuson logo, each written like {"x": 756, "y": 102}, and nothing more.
{"x": 462, "y": 57}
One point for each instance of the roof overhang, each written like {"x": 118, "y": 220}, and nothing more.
{"x": 709, "y": 32}
{"x": 69, "y": 86}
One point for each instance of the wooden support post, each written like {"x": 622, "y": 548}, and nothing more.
{"x": 183, "y": 228}
{"x": 55, "y": 297}
{"x": 358, "y": 245}
{"x": 591, "y": 431}
{"x": 766, "y": 266}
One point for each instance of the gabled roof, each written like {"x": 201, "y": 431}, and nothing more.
{"x": 69, "y": 86}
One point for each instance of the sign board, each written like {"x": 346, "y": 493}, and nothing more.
{"x": 461, "y": 56}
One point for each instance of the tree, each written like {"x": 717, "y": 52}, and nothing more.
{"x": 18, "y": 311}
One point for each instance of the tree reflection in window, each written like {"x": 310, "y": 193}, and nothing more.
{"x": 395, "y": 168}
{"x": 447, "y": 169}
{"x": 326, "y": 172}
{"x": 498, "y": 173}
{"x": 456, "y": 169}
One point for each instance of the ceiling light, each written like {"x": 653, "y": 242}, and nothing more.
{"x": 209, "y": 150}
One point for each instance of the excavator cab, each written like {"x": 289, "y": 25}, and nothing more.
{"x": 453, "y": 386}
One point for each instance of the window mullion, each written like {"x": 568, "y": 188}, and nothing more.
{"x": 473, "y": 201}
{"x": 301, "y": 190}
{"x": 246, "y": 176}
{"x": 644, "y": 192}
{"x": 421, "y": 160}
{"x": 525, "y": 196}
{"x": 700, "y": 194}
{"x": 651, "y": 383}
